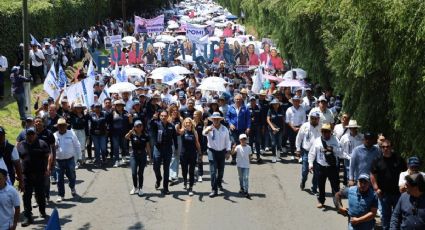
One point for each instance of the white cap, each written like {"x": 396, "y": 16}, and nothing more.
{"x": 243, "y": 136}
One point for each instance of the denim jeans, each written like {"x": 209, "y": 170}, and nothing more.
{"x": 119, "y": 142}
{"x": 175, "y": 160}
{"x": 243, "y": 178}
{"x": 304, "y": 168}
{"x": 276, "y": 141}
{"x": 137, "y": 164}
{"x": 20, "y": 99}
{"x": 99, "y": 142}
{"x": 217, "y": 168}
{"x": 65, "y": 167}
{"x": 388, "y": 203}
{"x": 163, "y": 157}
{"x": 255, "y": 137}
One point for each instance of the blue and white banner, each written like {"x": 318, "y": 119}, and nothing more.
{"x": 51, "y": 83}
{"x": 194, "y": 33}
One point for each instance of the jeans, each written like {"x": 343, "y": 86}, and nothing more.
{"x": 99, "y": 142}
{"x": 81, "y": 136}
{"x": 77, "y": 52}
{"x": 217, "y": 168}
{"x": 34, "y": 183}
{"x": 163, "y": 157}
{"x": 175, "y": 160}
{"x": 304, "y": 168}
{"x": 188, "y": 162}
{"x": 346, "y": 171}
{"x": 118, "y": 141}
{"x": 65, "y": 167}
{"x": 20, "y": 99}
{"x": 276, "y": 141}
{"x": 200, "y": 165}
{"x": 255, "y": 136}
{"x": 137, "y": 164}
{"x": 243, "y": 178}
{"x": 330, "y": 173}
{"x": 388, "y": 203}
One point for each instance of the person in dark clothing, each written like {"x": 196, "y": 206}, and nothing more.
{"x": 190, "y": 151}
{"x": 9, "y": 154}
{"x": 256, "y": 125}
{"x": 34, "y": 154}
{"x": 79, "y": 123}
{"x": 385, "y": 174}
{"x": 98, "y": 132}
{"x": 164, "y": 136}
{"x": 18, "y": 91}
{"x": 141, "y": 149}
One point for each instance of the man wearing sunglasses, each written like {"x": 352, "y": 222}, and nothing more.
{"x": 384, "y": 178}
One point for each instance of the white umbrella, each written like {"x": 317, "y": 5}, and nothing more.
{"x": 132, "y": 71}
{"x": 161, "y": 72}
{"x": 159, "y": 45}
{"x": 173, "y": 26}
{"x": 291, "y": 83}
{"x": 165, "y": 38}
{"x": 181, "y": 70}
{"x": 129, "y": 39}
{"x": 299, "y": 74}
{"x": 121, "y": 87}
{"x": 213, "y": 84}
{"x": 171, "y": 22}
{"x": 181, "y": 37}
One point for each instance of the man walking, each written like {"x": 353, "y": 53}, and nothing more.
{"x": 67, "y": 147}
{"x": 219, "y": 147}
{"x": 295, "y": 117}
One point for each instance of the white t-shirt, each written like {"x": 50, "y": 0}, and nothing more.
{"x": 402, "y": 181}
{"x": 34, "y": 60}
{"x": 9, "y": 199}
{"x": 242, "y": 156}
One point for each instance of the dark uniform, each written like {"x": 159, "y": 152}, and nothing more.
{"x": 6, "y": 150}
{"x": 138, "y": 158}
{"x": 188, "y": 157}
{"x": 256, "y": 127}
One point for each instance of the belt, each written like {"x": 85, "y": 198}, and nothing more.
{"x": 65, "y": 159}
{"x": 215, "y": 151}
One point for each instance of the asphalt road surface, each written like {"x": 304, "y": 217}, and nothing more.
{"x": 276, "y": 202}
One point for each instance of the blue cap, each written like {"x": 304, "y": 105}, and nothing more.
{"x": 296, "y": 97}
{"x": 315, "y": 114}
{"x": 275, "y": 101}
{"x": 136, "y": 102}
{"x": 138, "y": 122}
{"x": 252, "y": 98}
{"x": 364, "y": 176}
{"x": 45, "y": 102}
{"x": 413, "y": 162}
{"x": 203, "y": 100}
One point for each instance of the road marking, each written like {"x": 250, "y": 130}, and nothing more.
{"x": 188, "y": 203}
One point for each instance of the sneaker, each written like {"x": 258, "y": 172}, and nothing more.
{"x": 133, "y": 191}
{"x": 300, "y": 160}
{"x": 73, "y": 192}
{"x": 185, "y": 186}
{"x": 302, "y": 186}
{"x": 213, "y": 194}
{"x": 27, "y": 221}
{"x": 59, "y": 199}
{"x": 43, "y": 215}
{"x": 221, "y": 188}
{"x": 140, "y": 192}
{"x": 116, "y": 165}
{"x": 320, "y": 205}
{"x": 199, "y": 178}
{"x": 266, "y": 149}
{"x": 241, "y": 191}
{"x": 123, "y": 161}
{"x": 274, "y": 159}
{"x": 34, "y": 204}
{"x": 292, "y": 158}
{"x": 53, "y": 180}
{"x": 190, "y": 192}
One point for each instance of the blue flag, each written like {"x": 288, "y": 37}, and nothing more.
{"x": 34, "y": 41}
{"x": 63, "y": 80}
{"x": 53, "y": 223}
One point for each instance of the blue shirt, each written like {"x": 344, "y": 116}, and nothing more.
{"x": 409, "y": 213}
{"x": 362, "y": 159}
{"x": 241, "y": 120}
{"x": 359, "y": 204}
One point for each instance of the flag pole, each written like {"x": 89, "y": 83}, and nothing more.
{"x": 27, "y": 85}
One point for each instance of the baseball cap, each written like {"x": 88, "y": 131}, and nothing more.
{"x": 413, "y": 162}
{"x": 364, "y": 176}
{"x": 30, "y": 130}
{"x": 138, "y": 122}
{"x": 315, "y": 114}
{"x": 322, "y": 98}
{"x": 370, "y": 135}
{"x": 252, "y": 98}
{"x": 296, "y": 97}
{"x": 243, "y": 136}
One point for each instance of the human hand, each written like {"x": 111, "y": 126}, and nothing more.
{"x": 354, "y": 220}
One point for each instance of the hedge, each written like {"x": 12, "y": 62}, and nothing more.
{"x": 46, "y": 19}
{"x": 371, "y": 51}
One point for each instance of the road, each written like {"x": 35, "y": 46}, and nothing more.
{"x": 277, "y": 202}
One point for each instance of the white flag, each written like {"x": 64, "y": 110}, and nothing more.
{"x": 51, "y": 83}
{"x": 90, "y": 71}
{"x": 81, "y": 92}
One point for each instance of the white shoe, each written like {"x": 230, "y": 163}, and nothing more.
{"x": 34, "y": 205}
{"x": 190, "y": 193}
{"x": 292, "y": 158}
{"x": 116, "y": 165}
{"x": 59, "y": 199}
{"x": 140, "y": 192}
{"x": 300, "y": 160}
{"x": 266, "y": 149}
{"x": 133, "y": 191}
{"x": 274, "y": 160}
{"x": 123, "y": 161}
{"x": 199, "y": 178}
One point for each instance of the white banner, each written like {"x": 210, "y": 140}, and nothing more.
{"x": 155, "y": 25}
{"x": 81, "y": 92}
{"x": 195, "y": 33}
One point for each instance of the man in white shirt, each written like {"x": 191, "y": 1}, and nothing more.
{"x": 306, "y": 136}
{"x": 67, "y": 147}
{"x": 348, "y": 142}
{"x": 295, "y": 117}
{"x": 341, "y": 129}
{"x": 326, "y": 115}
{"x": 37, "y": 60}
{"x": 325, "y": 150}
{"x": 9, "y": 203}
{"x": 3, "y": 68}
{"x": 219, "y": 147}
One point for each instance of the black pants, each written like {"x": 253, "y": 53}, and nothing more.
{"x": 201, "y": 164}
{"x": 255, "y": 136}
{"x": 34, "y": 183}
{"x": 37, "y": 72}
{"x": 164, "y": 157}
{"x": 330, "y": 173}
{"x": 188, "y": 162}
{"x": 292, "y": 135}
{"x": 89, "y": 148}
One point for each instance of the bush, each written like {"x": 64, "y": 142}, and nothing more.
{"x": 371, "y": 51}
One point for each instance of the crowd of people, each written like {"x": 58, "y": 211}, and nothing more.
{"x": 182, "y": 125}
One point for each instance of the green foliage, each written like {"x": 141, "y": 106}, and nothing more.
{"x": 371, "y": 51}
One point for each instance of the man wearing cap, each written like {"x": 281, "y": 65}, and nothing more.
{"x": 239, "y": 119}
{"x": 413, "y": 166}
{"x": 29, "y": 122}
{"x": 306, "y": 136}
{"x": 164, "y": 136}
{"x": 276, "y": 122}
{"x": 219, "y": 147}
{"x": 384, "y": 174}
{"x": 295, "y": 117}
{"x": 309, "y": 101}
{"x": 48, "y": 55}
{"x": 348, "y": 142}
{"x": 255, "y": 135}
{"x": 182, "y": 100}
{"x": 79, "y": 122}
{"x": 18, "y": 92}
{"x": 9, "y": 159}
{"x": 3, "y": 67}
{"x": 409, "y": 212}
{"x": 34, "y": 154}
{"x": 9, "y": 203}
{"x": 189, "y": 110}
{"x": 326, "y": 116}
{"x": 37, "y": 58}
{"x": 325, "y": 150}
{"x": 362, "y": 204}
{"x": 67, "y": 148}
{"x": 363, "y": 157}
